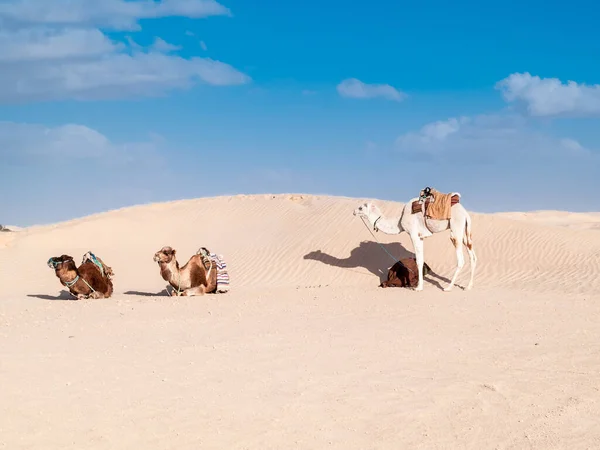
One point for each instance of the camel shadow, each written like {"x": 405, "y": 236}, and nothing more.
{"x": 64, "y": 295}
{"x": 371, "y": 256}
{"x": 368, "y": 255}
{"x": 147, "y": 294}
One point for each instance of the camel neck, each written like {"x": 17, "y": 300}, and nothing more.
{"x": 170, "y": 271}
{"x": 387, "y": 225}
{"x": 67, "y": 276}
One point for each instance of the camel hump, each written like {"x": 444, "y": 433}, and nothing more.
{"x": 206, "y": 257}
{"x": 106, "y": 271}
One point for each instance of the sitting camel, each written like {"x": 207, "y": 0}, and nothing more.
{"x": 419, "y": 227}
{"x": 197, "y": 277}
{"x": 404, "y": 273}
{"x": 88, "y": 280}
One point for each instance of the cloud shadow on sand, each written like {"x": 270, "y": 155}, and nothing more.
{"x": 371, "y": 256}
{"x": 64, "y": 295}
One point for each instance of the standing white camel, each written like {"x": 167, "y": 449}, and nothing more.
{"x": 414, "y": 224}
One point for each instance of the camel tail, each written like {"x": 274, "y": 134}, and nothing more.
{"x": 468, "y": 240}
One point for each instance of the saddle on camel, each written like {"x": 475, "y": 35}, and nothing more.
{"x": 434, "y": 204}
{"x": 404, "y": 273}
{"x": 92, "y": 279}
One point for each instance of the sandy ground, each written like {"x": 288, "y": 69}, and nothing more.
{"x": 305, "y": 352}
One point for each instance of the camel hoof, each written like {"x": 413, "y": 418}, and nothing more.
{"x": 448, "y": 289}
{"x": 419, "y": 288}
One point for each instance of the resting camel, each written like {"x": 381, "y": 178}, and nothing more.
{"x": 404, "y": 274}
{"x": 194, "y": 278}
{"x": 419, "y": 228}
{"x": 85, "y": 281}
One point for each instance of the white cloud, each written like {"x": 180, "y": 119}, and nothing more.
{"x": 353, "y": 88}
{"x": 550, "y": 97}
{"x": 116, "y": 14}
{"x": 51, "y": 60}
{"x": 486, "y": 138}
{"x": 203, "y": 45}
{"x": 43, "y": 164}
{"x": 114, "y": 76}
{"x": 35, "y": 44}
{"x": 40, "y": 144}
{"x": 440, "y": 130}
{"x": 162, "y": 46}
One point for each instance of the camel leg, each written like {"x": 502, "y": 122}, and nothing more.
{"x": 460, "y": 262}
{"x": 417, "y": 242}
{"x": 473, "y": 260}
{"x": 199, "y": 290}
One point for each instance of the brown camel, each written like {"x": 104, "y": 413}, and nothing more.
{"x": 197, "y": 277}
{"x": 85, "y": 281}
{"x": 404, "y": 273}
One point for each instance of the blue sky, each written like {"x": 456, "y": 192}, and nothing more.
{"x": 114, "y": 103}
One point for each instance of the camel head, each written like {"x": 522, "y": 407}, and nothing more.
{"x": 367, "y": 210}
{"x": 164, "y": 255}
{"x": 57, "y": 261}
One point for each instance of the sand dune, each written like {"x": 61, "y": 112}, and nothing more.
{"x": 305, "y": 351}
{"x": 582, "y": 221}
{"x": 301, "y": 241}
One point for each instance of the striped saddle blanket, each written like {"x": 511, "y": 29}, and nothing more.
{"x": 221, "y": 266}
{"x": 222, "y": 275}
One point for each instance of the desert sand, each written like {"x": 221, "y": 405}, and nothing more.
{"x": 305, "y": 351}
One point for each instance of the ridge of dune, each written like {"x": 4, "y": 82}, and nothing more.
{"x": 300, "y": 240}
{"x": 547, "y": 217}
{"x": 8, "y": 234}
